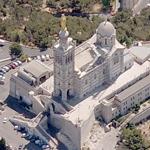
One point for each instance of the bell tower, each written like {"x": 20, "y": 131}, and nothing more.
{"x": 64, "y": 53}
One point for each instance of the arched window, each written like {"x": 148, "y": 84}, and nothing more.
{"x": 105, "y": 41}
{"x": 66, "y": 59}
{"x": 116, "y": 59}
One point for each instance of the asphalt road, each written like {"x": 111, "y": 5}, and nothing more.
{"x": 4, "y": 50}
{"x": 13, "y": 137}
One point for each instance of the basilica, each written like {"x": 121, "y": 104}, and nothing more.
{"x": 77, "y": 72}
{"x": 98, "y": 79}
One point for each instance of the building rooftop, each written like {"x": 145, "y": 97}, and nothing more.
{"x": 134, "y": 88}
{"x": 84, "y": 58}
{"x": 141, "y": 52}
{"x": 36, "y": 68}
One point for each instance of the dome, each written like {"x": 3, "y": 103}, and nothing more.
{"x": 106, "y": 29}
{"x": 63, "y": 34}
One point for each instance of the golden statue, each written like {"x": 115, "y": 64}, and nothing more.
{"x": 63, "y": 23}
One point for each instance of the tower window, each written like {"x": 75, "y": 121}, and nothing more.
{"x": 116, "y": 59}
{"x": 104, "y": 71}
{"x": 105, "y": 41}
{"x": 86, "y": 82}
{"x": 66, "y": 60}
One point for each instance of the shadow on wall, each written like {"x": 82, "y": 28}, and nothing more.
{"x": 14, "y": 104}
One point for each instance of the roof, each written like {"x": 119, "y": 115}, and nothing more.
{"x": 134, "y": 88}
{"x": 83, "y": 58}
{"x": 141, "y": 52}
{"x": 36, "y": 68}
{"x": 106, "y": 29}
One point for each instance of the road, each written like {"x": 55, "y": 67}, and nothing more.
{"x": 4, "y": 50}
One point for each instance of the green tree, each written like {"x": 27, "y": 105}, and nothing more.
{"x": 2, "y": 144}
{"x": 106, "y": 3}
{"x": 133, "y": 139}
{"x": 15, "y": 49}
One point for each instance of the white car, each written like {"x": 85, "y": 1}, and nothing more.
{"x": 47, "y": 57}
{"x": 29, "y": 59}
{"x": 19, "y": 62}
{"x": 6, "y": 68}
{"x": 16, "y": 128}
{"x": 23, "y": 135}
{"x": 16, "y": 64}
{"x": 2, "y": 77}
{"x": 37, "y": 141}
{"x": 45, "y": 146}
{"x": 5, "y": 120}
{"x": 38, "y": 58}
{"x": 43, "y": 58}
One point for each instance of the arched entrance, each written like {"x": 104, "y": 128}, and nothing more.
{"x": 59, "y": 94}
{"x": 69, "y": 94}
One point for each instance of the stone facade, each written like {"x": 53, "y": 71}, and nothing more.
{"x": 106, "y": 63}
{"x": 64, "y": 53}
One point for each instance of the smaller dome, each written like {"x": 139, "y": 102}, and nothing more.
{"x": 63, "y": 34}
{"x": 106, "y": 29}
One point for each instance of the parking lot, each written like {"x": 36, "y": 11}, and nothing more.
{"x": 4, "y": 89}
{"x": 13, "y": 138}
{"x": 7, "y": 131}
{"x": 12, "y": 108}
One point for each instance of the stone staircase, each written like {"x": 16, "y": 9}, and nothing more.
{"x": 51, "y": 141}
{"x": 65, "y": 139}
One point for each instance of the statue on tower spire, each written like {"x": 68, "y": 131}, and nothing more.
{"x": 63, "y": 23}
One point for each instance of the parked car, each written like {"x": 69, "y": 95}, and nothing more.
{"x": 29, "y": 137}
{"x": 15, "y": 63}
{"x": 47, "y": 57}
{"x": 6, "y": 68}
{"x": 9, "y": 66}
{"x": 43, "y": 58}
{"x": 38, "y": 58}
{"x": 3, "y": 70}
{"x": 2, "y": 77}
{"x": 37, "y": 142}
{"x": 19, "y": 62}
{"x": 29, "y": 59}
{"x": 16, "y": 127}
{"x": 24, "y": 135}
{"x": 1, "y": 74}
{"x": 2, "y": 81}
{"x": 20, "y": 146}
{"x": 32, "y": 140}
{"x": 12, "y": 66}
{"x": 45, "y": 146}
